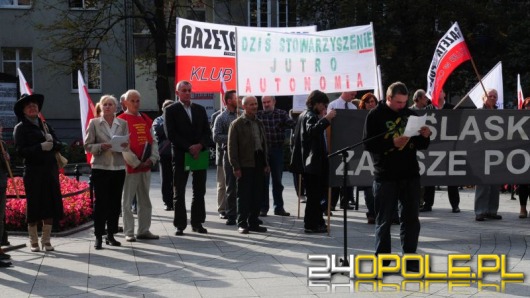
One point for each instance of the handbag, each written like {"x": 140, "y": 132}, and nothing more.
{"x": 61, "y": 160}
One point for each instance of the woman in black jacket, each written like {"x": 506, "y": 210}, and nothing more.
{"x": 36, "y": 142}
{"x": 310, "y": 157}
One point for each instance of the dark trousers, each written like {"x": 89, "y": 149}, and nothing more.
{"x": 276, "y": 165}
{"x": 388, "y": 194}
{"x": 452, "y": 191}
{"x": 198, "y": 212}
{"x": 108, "y": 188}
{"x": 316, "y": 187}
{"x": 250, "y": 192}
{"x": 166, "y": 178}
{"x": 336, "y": 192}
{"x": 231, "y": 189}
{"x": 523, "y": 194}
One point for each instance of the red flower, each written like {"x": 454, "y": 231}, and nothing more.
{"x": 77, "y": 208}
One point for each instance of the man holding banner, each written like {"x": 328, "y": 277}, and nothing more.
{"x": 397, "y": 172}
{"x": 343, "y": 102}
{"x": 487, "y": 196}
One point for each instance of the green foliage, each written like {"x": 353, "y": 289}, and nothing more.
{"x": 406, "y": 34}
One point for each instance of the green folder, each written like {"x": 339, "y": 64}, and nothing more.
{"x": 201, "y": 163}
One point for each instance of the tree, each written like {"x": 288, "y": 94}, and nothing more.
{"x": 109, "y": 23}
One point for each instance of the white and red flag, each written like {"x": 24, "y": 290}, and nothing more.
{"x": 520, "y": 97}
{"x": 24, "y": 86}
{"x": 87, "y": 108}
{"x": 223, "y": 90}
{"x": 26, "y": 89}
{"x": 450, "y": 52}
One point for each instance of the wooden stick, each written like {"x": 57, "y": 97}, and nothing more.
{"x": 329, "y": 210}
{"x": 9, "y": 169}
{"x": 299, "y": 193}
{"x": 480, "y": 81}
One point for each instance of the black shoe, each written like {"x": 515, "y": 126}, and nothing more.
{"x": 322, "y": 229}
{"x": 168, "y": 208}
{"x": 480, "y": 217}
{"x": 426, "y": 209}
{"x": 99, "y": 242}
{"x": 456, "y": 210}
{"x": 348, "y": 206}
{"x": 4, "y": 256}
{"x": 259, "y": 221}
{"x": 281, "y": 213}
{"x": 258, "y": 229}
{"x": 109, "y": 240}
{"x": 179, "y": 232}
{"x": 222, "y": 215}
{"x": 199, "y": 229}
{"x": 493, "y": 216}
{"x": 230, "y": 222}
{"x": 5, "y": 264}
{"x": 242, "y": 230}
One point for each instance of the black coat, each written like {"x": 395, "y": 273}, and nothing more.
{"x": 41, "y": 173}
{"x": 183, "y": 133}
{"x": 309, "y": 145}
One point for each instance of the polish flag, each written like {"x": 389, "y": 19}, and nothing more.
{"x": 26, "y": 89}
{"x": 450, "y": 52}
{"x": 87, "y": 108}
{"x": 223, "y": 90}
{"x": 520, "y": 97}
{"x": 24, "y": 86}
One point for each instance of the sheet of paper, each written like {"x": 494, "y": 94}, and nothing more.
{"x": 116, "y": 142}
{"x": 414, "y": 124}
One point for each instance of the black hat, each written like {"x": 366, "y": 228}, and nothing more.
{"x": 25, "y": 99}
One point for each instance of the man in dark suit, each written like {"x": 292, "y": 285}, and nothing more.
{"x": 189, "y": 132}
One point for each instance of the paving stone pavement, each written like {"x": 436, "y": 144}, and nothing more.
{"x": 224, "y": 263}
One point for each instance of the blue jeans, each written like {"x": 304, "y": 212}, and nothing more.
{"x": 276, "y": 165}
{"x": 387, "y": 194}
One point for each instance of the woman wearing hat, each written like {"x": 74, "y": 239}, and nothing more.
{"x": 35, "y": 141}
{"x": 108, "y": 169}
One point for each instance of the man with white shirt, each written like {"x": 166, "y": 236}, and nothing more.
{"x": 343, "y": 102}
{"x": 188, "y": 131}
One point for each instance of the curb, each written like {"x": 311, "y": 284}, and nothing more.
{"x": 69, "y": 232}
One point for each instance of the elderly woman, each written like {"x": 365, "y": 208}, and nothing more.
{"x": 36, "y": 143}
{"x": 108, "y": 168}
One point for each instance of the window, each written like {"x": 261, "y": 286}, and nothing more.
{"x": 15, "y": 3}
{"x": 22, "y": 58}
{"x": 196, "y": 11}
{"x": 82, "y": 4}
{"x": 89, "y": 62}
{"x": 259, "y": 13}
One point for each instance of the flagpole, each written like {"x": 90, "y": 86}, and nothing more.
{"x": 480, "y": 81}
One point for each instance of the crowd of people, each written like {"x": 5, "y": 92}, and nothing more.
{"x": 249, "y": 155}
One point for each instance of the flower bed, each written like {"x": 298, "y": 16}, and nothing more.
{"x": 76, "y": 204}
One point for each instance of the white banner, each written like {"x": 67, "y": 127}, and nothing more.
{"x": 492, "y": 80}
{"x": 206, "y": 51}
{"x": 272, "y": 63}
